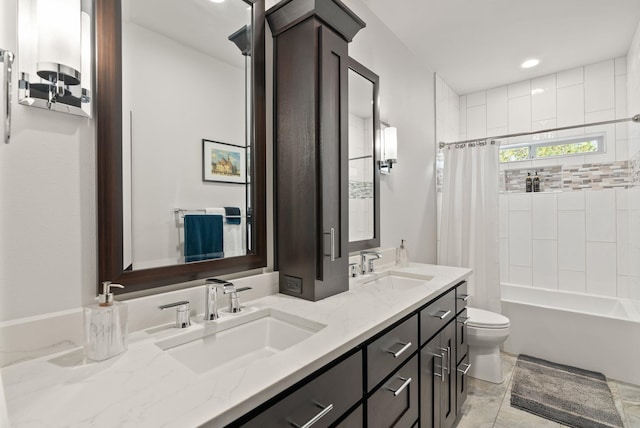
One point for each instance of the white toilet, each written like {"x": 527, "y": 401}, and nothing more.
{"x": 486, "y": 332}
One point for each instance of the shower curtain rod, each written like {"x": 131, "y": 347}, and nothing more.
{"x": 635, "y": 119}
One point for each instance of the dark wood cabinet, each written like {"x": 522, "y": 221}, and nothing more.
{"x": 438, "y": 376}
{"x": 326, "y": 397}
{"x": 311, "y": 144}
{"x": 387, "y": 352}
{"x": 395, "y": 403}
{"x": 436, "y": 315}
{"x": 384, "y": 382}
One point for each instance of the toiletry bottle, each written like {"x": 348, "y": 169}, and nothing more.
{"x": 536, "y": 182}
{"x": 105, "y": 326}
{"x": 529, "y": 183}
{"x": 402, "y": 258}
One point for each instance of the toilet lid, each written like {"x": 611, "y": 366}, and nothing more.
{"x": 486, "y": 319}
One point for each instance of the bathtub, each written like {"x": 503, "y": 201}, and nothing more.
{"x": 591, "y": 332}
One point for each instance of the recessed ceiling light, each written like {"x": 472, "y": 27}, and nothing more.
{"x": 216, "y": 1}
{"x": 530, "y": 63}
{"x": 537, "y": 91}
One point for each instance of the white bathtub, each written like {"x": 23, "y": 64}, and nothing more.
{"x": 591, "y": 332}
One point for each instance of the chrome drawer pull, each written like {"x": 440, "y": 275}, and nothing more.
{"x": 406, "y": 383}
{"x": 442, "y": 314}
{"x": 405, "y": 346}
{"x": 466, "y": 369}
{"x": 316, "y": 418}
{"x": 463, "y": 320}
{"x": 463, "y": 297}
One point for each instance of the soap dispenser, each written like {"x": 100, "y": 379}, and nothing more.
{"x": 402, "y": 258}
{"x": 105, "y": 326}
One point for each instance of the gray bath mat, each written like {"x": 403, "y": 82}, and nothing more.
{"x": 568, "y": 395}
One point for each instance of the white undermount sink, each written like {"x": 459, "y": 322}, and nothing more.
{"x": 235, "y": 342}
{"x": 398, "y": 282}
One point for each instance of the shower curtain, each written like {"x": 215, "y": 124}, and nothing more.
{"x": 469, "y": 222}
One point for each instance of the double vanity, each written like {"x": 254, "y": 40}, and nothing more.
{"x": 387, "y": 351}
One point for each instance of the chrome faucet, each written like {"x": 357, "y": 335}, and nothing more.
{"x": 211, "y": 306}
{"x": 182, "y": 313}
{"x": 370, "y": 256}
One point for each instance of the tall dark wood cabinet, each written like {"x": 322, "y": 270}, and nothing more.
{"x": 311, "y": 144}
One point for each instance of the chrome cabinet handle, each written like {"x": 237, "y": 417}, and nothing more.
{"x": 406, "y": 383}
{"x": 441, "y": 374}
{"x": 7, "y": 58}
{"x": 465, "y": 370}
{"x": 333, "y": 244}
{"x": 405, "y": 346}
{"x": 463, "y": 320}
{"x": 448, "y": 351}
{"x": 316, "y": 418}
{"x": 442, "y": 314}
{"x": 463, "y": 297}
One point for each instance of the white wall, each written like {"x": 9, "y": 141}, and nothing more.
{"x": 48, "y": 244}
{"x": 407, "y": 195}
{"x": 633, "y": 99}
{"x": 47, "y": 204}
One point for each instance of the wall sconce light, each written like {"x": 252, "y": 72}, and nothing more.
{"x": 55, "y": 53}
{"x": 389, "y": 152}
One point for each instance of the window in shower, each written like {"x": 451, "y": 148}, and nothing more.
{"x": 552, "y": 148}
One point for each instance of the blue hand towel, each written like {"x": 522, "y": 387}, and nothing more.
{"x": 232, "y": 215}
{"x": 203, "y": 237}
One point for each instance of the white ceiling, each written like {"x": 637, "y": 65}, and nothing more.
{"x": 480, "y": 44}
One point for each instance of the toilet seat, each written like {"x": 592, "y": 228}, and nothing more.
{"x": 479, "y": 318}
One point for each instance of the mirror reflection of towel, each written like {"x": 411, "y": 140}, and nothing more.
{"x": 232, "y": 215}
{"x": 203, "y": 237}
{"x": 234, "y": 233}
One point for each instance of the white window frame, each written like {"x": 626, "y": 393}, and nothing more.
{"x": 532, "y": 145}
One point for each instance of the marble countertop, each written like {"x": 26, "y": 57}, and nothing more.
{"x": 147, "y": 387}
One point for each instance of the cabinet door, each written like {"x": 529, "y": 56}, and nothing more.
{"x": 448, "y": 410}
{"x": 462, "y": 346}
{"x": 395, "y": 403}
{"x": 462, "y": 383}
{"x": 334, "y": 146}
{"x": 438, "y": 380}
{"x": 431, "y": 379}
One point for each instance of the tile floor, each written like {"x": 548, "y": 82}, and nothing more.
{"x": 488, "y": 405}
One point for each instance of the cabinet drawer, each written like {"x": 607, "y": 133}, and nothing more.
{"x": 354, "y": 420}
{"x": 437, "y": 315}
{"x": 387, "y": 352}
{"x": 462, "y": 346}
{"x": 461, "y": 297}
{"x": 462, "y": 385}
{"x": 331, "y": 394}
{"x": 395, "y": 403}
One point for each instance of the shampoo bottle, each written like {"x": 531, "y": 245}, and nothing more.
{"x": 536, "y": 182}
{"x": 529, "y": 183}
{"x": 402, "y": 258}
{"x": 105, "y": 326}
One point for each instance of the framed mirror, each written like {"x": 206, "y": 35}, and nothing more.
{"x": 180, "y": 110}
{"x": 364, "y": 154}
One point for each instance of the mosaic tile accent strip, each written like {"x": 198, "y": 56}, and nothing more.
{"x": 635, "y": 170}
{"x": 550, "y": 179}
{"x": 360, "y": 189}
{"x": 596, "y": 176}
